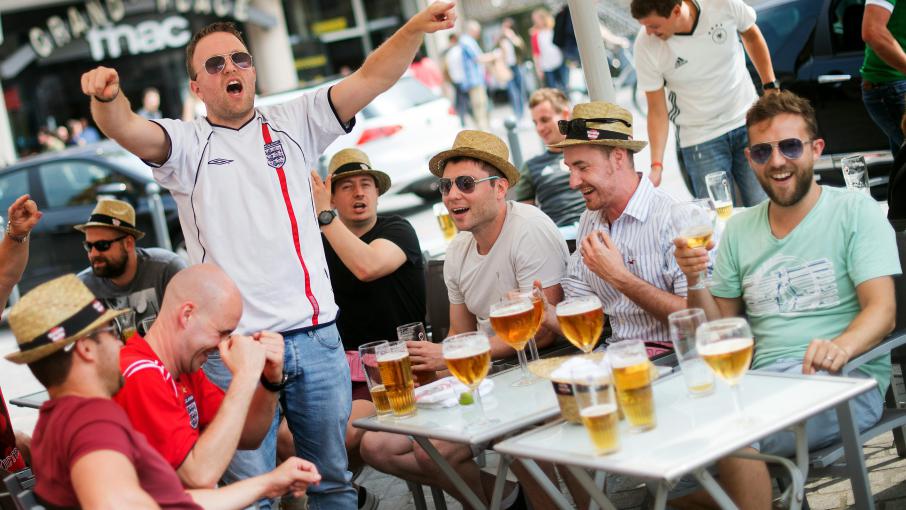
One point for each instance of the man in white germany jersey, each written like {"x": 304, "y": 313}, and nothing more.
{"x": 240, "y": 177}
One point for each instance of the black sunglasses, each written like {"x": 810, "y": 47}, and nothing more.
{"x": 465, "y": 183}
{"x": 577, "y": 129}
{"x": 791, "y": 148}
{"x": 102, "y": 245}
{"x": 215, "y": 64}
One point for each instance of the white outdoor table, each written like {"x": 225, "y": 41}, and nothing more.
{"x": 510, "y": 410}
{"x": 693, "y": 433}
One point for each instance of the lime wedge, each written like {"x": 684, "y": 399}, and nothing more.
{"x": 466, "y": 399}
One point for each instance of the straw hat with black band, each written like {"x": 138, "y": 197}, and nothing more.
{"x": 115, "y": 214}
{"x": 352, "y": 162}
{"x": 481, "y": 146}
{"x": 599, "y": 123}
{"x": 53, "y": 315}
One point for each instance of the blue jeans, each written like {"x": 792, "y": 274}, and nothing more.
{"x": 245, "y": 463}
{"x": 516, "y": 91}
{"x": 558, "y": 78}
{"x": 317, "y": 401}
{"x": 885, "y": 104}
{"x": 724, "y": 153}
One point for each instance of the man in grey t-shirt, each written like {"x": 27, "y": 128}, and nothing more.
{"x": 121, "y": 274}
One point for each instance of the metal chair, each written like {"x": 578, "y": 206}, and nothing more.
{"x": 27, "y": 501}
{"x": 20, "y": 485}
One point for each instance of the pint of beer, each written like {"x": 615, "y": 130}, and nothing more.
{"x": 514, "y": 321}
{"x": 444, "y": 221}
{"x": 632, "y": 377}
{"x": 581, "y": 320}
{"x": 683, "y": 325}
{"x": 594, "y": 394}
{"x": 719, "y": 191}
{"x": 368, "y": 359}
{"x": 724, "y": 210}
{"x": 396, "y": 376}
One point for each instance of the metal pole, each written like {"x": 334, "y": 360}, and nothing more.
{"x": 591, "y": 50}
{"x": 513, "y": 138}
{"x": 158, "y": 220}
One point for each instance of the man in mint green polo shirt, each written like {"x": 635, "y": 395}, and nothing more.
{"x": 812, "y": 270}
{"x": 884, "y": 67}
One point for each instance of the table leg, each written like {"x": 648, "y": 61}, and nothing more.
{"x": 855, "y": 461}
{"x": 546, "y": 484}
{"x": 714, "y": 489}
{"x": 600, "y": 479}
{"x": 500, "y": 481}
{"x": 660, "y": 497}
{"x": 418, "y": 495}
{"x": 589, "y": 485}
{"x": 797, "y": 479}
{"x": 451, "y": 473}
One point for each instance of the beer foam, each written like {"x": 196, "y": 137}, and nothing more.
{"x": 391, "y": 356}
{"x": 725, "y": 347}
{"x": 577, "y": 307}
{"x": 628, "y": 361}
{"x": 465, "y": 352}
{"x": 518, "y": 307}
{"x": 598, "y": 410}
{"x": 696, "y": 231}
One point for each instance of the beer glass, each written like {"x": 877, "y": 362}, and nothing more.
{"x": 396, "y": 375}
{"x": 855, "y": 173}
{"x": 698, "y": 377}
{"x": 514, "y": 322}
{"x": 468, "y": 357}
{"x": 593, "y": 390}
{"x": 581, "y": 320}
{"x": 126, "y": 324}
{"x": 694, "y": 221}
{"x": 538, "y": 310}
{"x": 719, "y": 191}
{"x": 632, "y": 377}
{"x": 726, "y": 346}
{"x": 412, "y": 332}
{"x": 368, "y": 359}
{"x": 445, "y": 221}
{"x": 146, "y": 323}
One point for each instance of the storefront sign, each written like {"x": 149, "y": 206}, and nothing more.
{"x": 146, "y": 37}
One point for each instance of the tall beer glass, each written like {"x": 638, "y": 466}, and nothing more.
{"x": 698, "y": 377}
{"x": 593, "y": 390}
{"x": 468, "y": 357}
{"x": 368, "y": 358}
{"x": 855, "y": 174}
{"x": 719, "y": 191}
{"x": 694, "y": 221}
{"x": 126, "y": 324}
{"x": 726, "y": 346}
{"x": 632, "y": 377}
{"x": 538, "y": 314}
{"x": 581, "y": 320}
{"x": 415, "y": 332}
{"x": 447, "y": 227}
{"x": 514, "y": 322}
{"x": 396, "y": 374}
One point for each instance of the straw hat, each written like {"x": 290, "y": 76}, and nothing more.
{"x": 479, "y": 145}
{"x": 54, "y": 315}
{"x": 614, "y": 131}
{"x": 114, "y": 214}
{"x": 352, "y": 162}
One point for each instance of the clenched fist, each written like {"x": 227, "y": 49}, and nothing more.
{"x": 101, "y": 83}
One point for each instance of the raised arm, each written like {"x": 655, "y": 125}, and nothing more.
{"x": 387, "y": 63}
{"x": 759, "y": 54}
{"x": 111, "y": 112}
{"x": 22, "y": 215}
{"x": 657, "y": 132}
{"x": 878, "y": 37}
{"x": 106, "y": 480}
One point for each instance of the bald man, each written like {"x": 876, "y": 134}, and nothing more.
{"x": 195, "y": 425}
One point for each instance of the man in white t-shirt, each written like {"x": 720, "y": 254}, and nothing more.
{"x": 691, "y": 48}
{"x": 240, "y": 177}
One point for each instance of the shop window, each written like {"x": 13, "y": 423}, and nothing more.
{"x": 846, "y": 26}
{"x": 69, "y": 183}
{"x": 12, "y": 186}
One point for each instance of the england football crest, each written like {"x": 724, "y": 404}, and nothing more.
{"x": 192, "y": 409}
{"x": 274, "y": 153}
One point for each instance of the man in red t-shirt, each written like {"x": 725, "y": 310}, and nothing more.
{"x": 190, "y": 421}
{"x": 11, "y": 455}
{"x": 85, "y": 452}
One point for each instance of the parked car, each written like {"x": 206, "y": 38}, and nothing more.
{"x": 66, "y": 186}
{"x": 817, "y": 50}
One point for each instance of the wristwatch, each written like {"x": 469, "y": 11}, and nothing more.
{"x": 274, "y": 388}
{"x": 18, "y": 239}
{"x": 770, "y": 85}
{"x": 326, "y": 217}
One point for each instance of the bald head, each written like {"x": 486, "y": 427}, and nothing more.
{"x": 206, "y": 286}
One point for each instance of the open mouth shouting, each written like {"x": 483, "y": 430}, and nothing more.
{"x": 234, "y": 88}
{"x": 359, "y": 207}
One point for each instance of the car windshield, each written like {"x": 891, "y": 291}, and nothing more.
{"x": 407, "y": 93}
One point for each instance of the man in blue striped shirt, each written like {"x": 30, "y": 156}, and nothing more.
{"x": 625, "y": 251}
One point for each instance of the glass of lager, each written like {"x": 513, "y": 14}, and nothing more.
{"x": 593, "y": 389}
{"x": 415, "y": 332}
{"x": 368, "y": 358}
{"x": 694, "y": 222}
{"x": 396, "y": 375}
{"x": 126, "y": 324}
{"x": 632, "y": 376}
{"x": 538, "y": 310}
{"x": 445, "y": 221}
{"x": 581, "y": 319}
{"x": 855, "y": 174}
{"x": 683, "y": 324}
{"x": 726, "y": 346}
{"x": 468, "y": 357}
{"x": 515, "y": 323}
{"x": 719, "y": 191}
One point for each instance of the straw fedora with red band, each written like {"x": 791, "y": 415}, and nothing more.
{"x": 114, "y": 214}
{"x": 54, "y": 315}
{"x": 352, "y": 162}
{"x": 600, "y": 123}
{"x": 478, "y": 145}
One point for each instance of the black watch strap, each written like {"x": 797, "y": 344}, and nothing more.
{"x": 275, "y": 388}
{"x": 771, "y": 85}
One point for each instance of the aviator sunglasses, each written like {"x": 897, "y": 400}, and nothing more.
{"x": 102, "y": 245}
{"x": 465, "y": 183}
{"x": 791, "y": 148}
{"x": 215, "y": 64}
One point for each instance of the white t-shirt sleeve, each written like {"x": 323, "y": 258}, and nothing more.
{"x": 177, "y": 173}
{"x": 742, "y": 13}
{"x": 452, "y": 269}
{"x": 540, "y": 254}
{"x": 884, "y": 4}
{"x": 649, "y": 76}
{"x": 313, "y": 120}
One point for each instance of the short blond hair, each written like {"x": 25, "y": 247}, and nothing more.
{"x": 555, "y": 97}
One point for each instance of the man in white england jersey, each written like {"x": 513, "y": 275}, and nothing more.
{"x": 240, "y": 177}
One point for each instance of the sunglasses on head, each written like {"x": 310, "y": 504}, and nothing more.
{"x": 791, "y": 148}
{"x": 102, "y": 245}
{"x": 465, "y": 183}
{"x": 577, "y": 129}
{"x": 215, "y": 64}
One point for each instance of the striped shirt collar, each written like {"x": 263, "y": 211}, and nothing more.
{"x": 640, "y": 202}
